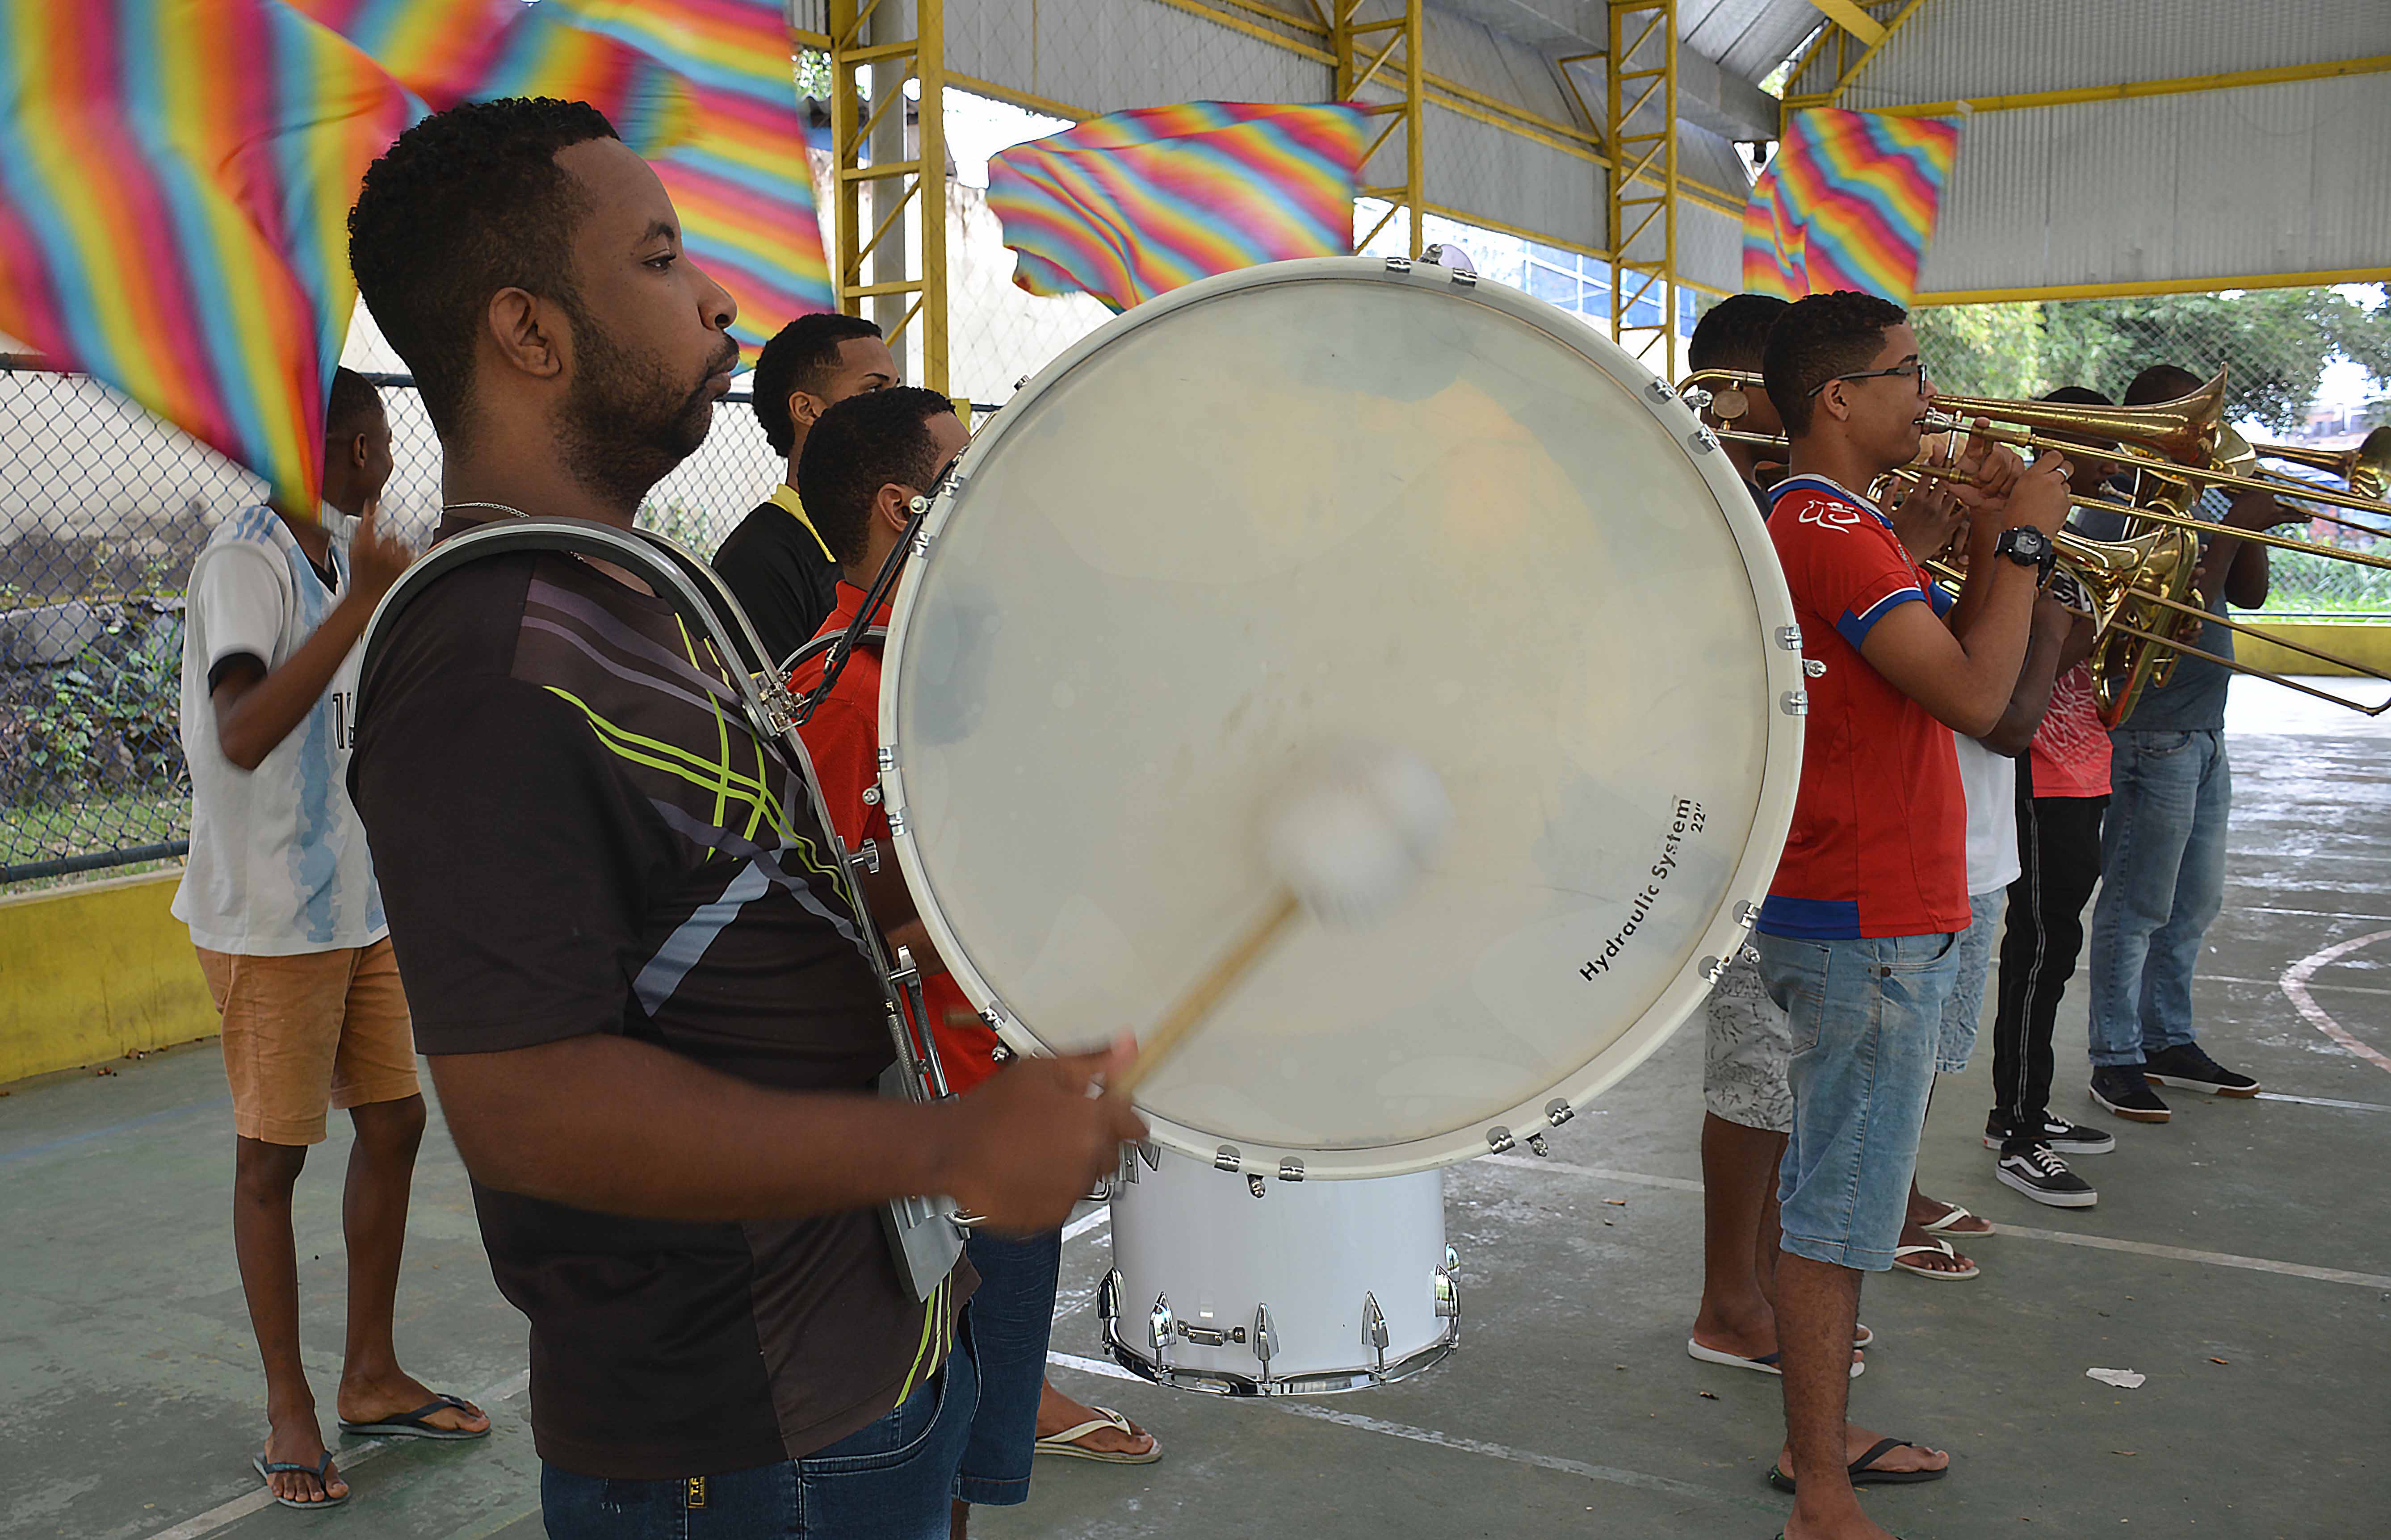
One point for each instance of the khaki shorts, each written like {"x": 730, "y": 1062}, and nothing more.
{"x": 307, "y": 1032}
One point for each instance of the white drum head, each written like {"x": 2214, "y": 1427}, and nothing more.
{"x": 1320, "y": 501}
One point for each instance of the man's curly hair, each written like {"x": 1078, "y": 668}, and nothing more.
{"x": 1818, "y": 338}
{"x": 467, "y": 202}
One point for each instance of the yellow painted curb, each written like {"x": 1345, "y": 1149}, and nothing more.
{"x": 2366, "y": 644}
{"x": 96, "y": 971}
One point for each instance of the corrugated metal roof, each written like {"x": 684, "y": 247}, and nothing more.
{"x": 1103, "y": 56}
{"x": 1710, "y": 246}
{"x": 2008, "y": 47}
{"x": 1746, "y": 38}
{"x": 2267, "y": 179}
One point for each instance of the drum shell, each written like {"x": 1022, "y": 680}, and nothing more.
{"x": 1315, "y": 1254}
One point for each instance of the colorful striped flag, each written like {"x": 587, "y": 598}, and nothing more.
{"x": 176, "y": 178}
{"x": 448, "y": 51}
{"x": 1135, "y": 204}
{"x": 1848, "y": 202}
{"x": 739, "y": 178}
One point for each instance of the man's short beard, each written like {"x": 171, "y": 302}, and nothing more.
{"x": 625, "y": 423}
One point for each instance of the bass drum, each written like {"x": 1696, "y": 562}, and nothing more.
{"x": 1315, "y": 1288}
{"x": 1311, "y": 503}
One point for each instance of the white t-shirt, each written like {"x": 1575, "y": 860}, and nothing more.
{"x": 279, "y": 863}
{"x": 1990, "y": 780}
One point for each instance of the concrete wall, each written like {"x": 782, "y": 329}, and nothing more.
{"x": 94, "y": 972}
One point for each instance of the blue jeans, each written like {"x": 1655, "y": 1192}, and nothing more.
{"x": 2162, "y": 882}
{"x": 1964, "y": 1010}
{"x": 892, "y": 1481}
{"x": 1013, "y": 1315}
{"x": 1866, "y": 1022}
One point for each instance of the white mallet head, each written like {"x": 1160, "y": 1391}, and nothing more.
{"x": 1356, "y": 828}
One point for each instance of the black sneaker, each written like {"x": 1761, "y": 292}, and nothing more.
{"x": 2068, "y": 1138}
{"x": 2121, "y": 1089}
{"x": 2189, "y": 1066}
{"x": 2045, "y": 1178}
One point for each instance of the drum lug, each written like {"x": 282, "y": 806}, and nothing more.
{"x": 1451, "y": 1258}
{"x": 1128, "y": 1174}
{"x": 1712, "y": 970}
{"x": 1790, "y": 638}
{"x": 884, "y": 758}
{"x": 1151, "y": 1153}
{"x": 1290, "y": 1170}
{"x": 1747, "y": 914}
{"x": 1374, "y": 1330}
{"x": 1464, "y": 280}
{"x": 1658, "y": 389}
{"x": 1536, "y": 1143}
{"x": 1254, "y": 1183}
{"x": 1399, "y": 265}
{"x": 1448, "y": 1294}
{"x": 1498, "y": 1140}
{"x": 1702, "y": 441}
{"x": 780, "y": 706}
{"x": 1228, "y": 1157}
{"x": 1265, "y": 1339}
{"x": 1108, "y": 1297}
{"x": 1556, "y": 1112}
{"x": 1160, "y": 1327}
{"x": 1792, "y": 703}
{"x": 897, "y": 823}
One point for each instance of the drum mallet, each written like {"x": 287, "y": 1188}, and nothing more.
{"x": 1360, "y": 825}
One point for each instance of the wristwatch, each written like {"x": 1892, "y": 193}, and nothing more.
{"x": 2028, "y": 547}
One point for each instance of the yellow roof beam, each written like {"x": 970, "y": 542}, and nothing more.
{"x": 2373, "y": 64}
{"x": 1849, "y": 16}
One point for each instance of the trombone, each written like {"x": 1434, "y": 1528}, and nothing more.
{"x": 2143, "y": 587}
{"x": 2364, "y": 469}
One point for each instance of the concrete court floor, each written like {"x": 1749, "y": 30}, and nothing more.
{"x": 2254, "y": 1232}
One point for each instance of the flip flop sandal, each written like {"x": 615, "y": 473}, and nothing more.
{"x": 1067, "y": 1442}
{"x": 417, "y": 1423}
{"x": 1957, "y": 1214}
{"x": 1765, "y": 1363}
{"x": 1864, "y": 1335}
{"x": 1940, "y": 1275}
{"x": 267, "y": 1469}
{"x": 1862, "y": 1470}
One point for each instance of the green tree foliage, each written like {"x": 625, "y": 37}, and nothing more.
{"x": 2274, "y": 345}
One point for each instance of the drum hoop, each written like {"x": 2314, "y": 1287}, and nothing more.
{"x": 1726, "y": 932}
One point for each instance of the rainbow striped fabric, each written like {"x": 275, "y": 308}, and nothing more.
{"x": 739, "y": 178}
{"x": 448, "y": 51}
{"x": 1135, "y": 204}
{"x": 176, "y": 178}
{"x": 1849, "y": 203}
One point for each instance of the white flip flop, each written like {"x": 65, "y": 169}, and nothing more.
{"x": 1066, "y": 1442}
{"x": 1958, "y": 1213}
{"x": 1939, "y": 1275}
{"x": 1765, "y": 1364}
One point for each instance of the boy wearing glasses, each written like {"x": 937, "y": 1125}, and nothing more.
{"x": 1857, "y": 936}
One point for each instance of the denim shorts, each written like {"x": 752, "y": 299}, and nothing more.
{"x": 1865, "y": 1018}
{"x": 891, "y": 1481}
{"x": 1013, "y": 1312}
{"x": 1964, "y": 1012}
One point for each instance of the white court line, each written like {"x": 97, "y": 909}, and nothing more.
{"x": 2306, "y": 914}
{"x": 2323, "y": 1101}
{"x": 2098, "y": 1242}
{"x": 2271, "y": 983}
{"x": 2295, "y": 988}
{"x": 346, "y": 1459}
{"x": 1611, "y": 1474}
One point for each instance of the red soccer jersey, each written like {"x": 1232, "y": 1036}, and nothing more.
{"x": 843, "y": 735}
{"x": 1880, "y": 840}
{"x": 2071, "y": 748}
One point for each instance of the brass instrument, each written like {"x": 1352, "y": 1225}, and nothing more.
{"x": 2143, "y": 602}
{"x": 2364, "y": 470}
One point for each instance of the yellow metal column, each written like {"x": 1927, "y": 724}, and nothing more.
{"x": 1386, "y": 53}
{"x": 917, "y": 180}
{"x": 1641, "y": 132}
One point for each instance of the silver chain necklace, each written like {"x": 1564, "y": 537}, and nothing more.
{"x": 502, "y": 507}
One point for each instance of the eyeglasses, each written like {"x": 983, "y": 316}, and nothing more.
{"x": 1916, "y": 369}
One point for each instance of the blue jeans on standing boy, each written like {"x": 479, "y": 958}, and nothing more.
{"x": 893, "y": 1479}
{"x": 1013, "y": 1315}
{"x": 1865, "y": 1017}
{"x": 2162, "y": 882}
